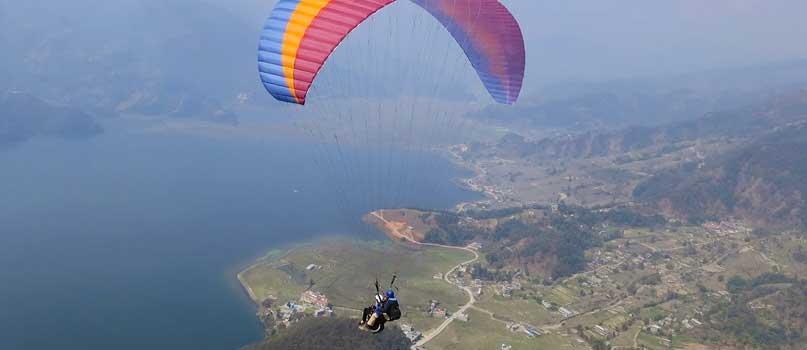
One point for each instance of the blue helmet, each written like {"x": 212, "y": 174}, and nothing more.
{"x": 390, "y": 294}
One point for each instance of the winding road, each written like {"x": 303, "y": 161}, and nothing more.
{"x": 428, "y": 336}
{"x": 435, "y": 332}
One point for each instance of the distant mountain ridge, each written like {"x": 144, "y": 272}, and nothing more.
{"x": 763, "y": 180}
{"x": 737, "y": 123}
{"x": 179, "y": 58}
{"x": 24, "y": 116}
{"x": 649, "y": 101}
{"x": 752, "y": 170}
{"x": 764, "y": 183}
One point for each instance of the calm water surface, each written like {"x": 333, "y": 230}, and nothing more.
{"x": 131, "y": 240}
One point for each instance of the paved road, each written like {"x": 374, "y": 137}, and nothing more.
{"x": 428, "y": 336}
{"x": 435, "y": 332}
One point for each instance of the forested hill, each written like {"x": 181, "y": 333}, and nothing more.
{"x": 539, "y": 241}
{"x": 764, "y": 183}
{"x": 332, "y": 334}
{"x": 648, "y": 101}
{"x": 182, "y": 58}
{"x": 746, "y": 122}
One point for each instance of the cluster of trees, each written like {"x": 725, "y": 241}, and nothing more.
{"x": 651, "y": 279}
{"x": 615, "y": 216}
{"x": 781, "y": 328}
{"x": 332, "y": 334}
{"x": 499, "y": 213}
{"x": 737, "y": 284}
{"x": 558, "y": 240}
{"x": 800, "y": 255}
{"x": 739, "y": 320}
{"x": 480, "y": 272}
{"x": 449, "y": 231}
{"x": 776, "y": 162}
{"x": 594, "y": 342}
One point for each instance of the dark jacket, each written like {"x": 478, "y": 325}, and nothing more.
{"x": 391, "y": 309}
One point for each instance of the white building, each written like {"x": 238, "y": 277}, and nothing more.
{"x": 566, "y": 313}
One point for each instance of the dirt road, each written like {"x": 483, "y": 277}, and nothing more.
{"x": 431, "y": 334}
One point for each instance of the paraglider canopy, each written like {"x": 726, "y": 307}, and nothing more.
{"x": 300, "y": 35}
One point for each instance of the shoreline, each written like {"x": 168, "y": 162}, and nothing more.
{"x": 245, "y": 286}
{"x": 463, "y": 182}
{"x": 468, "y": 183}
{"x": 403, "y": 239}
{"x": 266, "y": 258}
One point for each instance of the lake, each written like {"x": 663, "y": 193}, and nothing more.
{"x": 131, "y": 240}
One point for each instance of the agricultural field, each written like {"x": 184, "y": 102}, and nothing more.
{"x": 509, "y": 309}
{"x": 345, "y": 270}
{"x": 483, "y": 332}
{"x": 651, "y": 288}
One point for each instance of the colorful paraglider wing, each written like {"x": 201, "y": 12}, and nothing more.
{"x": 300, "y": 35}
{"x": 298, "y": 38}
{"x": 490, "y": 37}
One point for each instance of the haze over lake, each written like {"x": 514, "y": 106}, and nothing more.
{"x": 131, "y": 240}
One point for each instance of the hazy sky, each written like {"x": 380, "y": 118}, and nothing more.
{"x": 592, "y": 39}
{"x": 617, "y": 38}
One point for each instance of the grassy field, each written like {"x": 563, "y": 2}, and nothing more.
{"x": 348, "y": 269}
{"x": 561, "y": 295}
{"x": 518, "y": 310}
{"x": 625, "y": 339}
{"x": 637, "y": 233}
{"x": 482, "y": 332}
{"x": 652, "y": 342}
{"x": 600, "y": 317}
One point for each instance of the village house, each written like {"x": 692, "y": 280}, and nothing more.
{"x": 601, "y": 330}
{"x": 314, "y": 298}
{"x": 532, "y": 332}
{"x": 566, "y": 313}
{"x": 410, "y": 333}
{"x": 324, "y": 312}
{"x": 686, "y": 324}
{"x": 432, "y": 306}
{"x": 288, "y": 311}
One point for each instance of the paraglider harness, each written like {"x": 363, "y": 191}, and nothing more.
{"x": 384, "y": 310}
